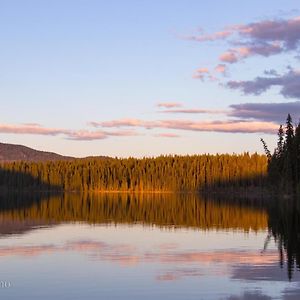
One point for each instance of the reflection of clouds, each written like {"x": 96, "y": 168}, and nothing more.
{"x": 166, "y": 253}
{"x": 247, "y": 264}
{"x": 124, "y": 260}
{"x": 291, "y": 293}
{"x": 167, "y": 246}
{"x": 27, "y": 250}
{"x": 178, "y": 274}
{"x": 174, "y": 263}
{"x": 255, "y": 295}
{"x": 77, "y": 246}
{"x": 268, "y": 272}
{"x": 83, "y": 246}
{"x": 229, "y": 256}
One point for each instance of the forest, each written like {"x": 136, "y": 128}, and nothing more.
{"x": 284, "y": 163}
{"x": 163, "y": 174}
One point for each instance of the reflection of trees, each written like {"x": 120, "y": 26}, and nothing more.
{"x": 21, "y": 212}
{"x": 284, "y": 223}
{"x": 180, "y": 210}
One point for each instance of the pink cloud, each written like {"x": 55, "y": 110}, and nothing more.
{"x": 201, "y": 73}
{"x": 85, "y": 135}
{"x": 236, "y": 54}
{"x": 235, "y": 126}
{"x": 119, "y": 123}
{"x": 286, "y": 31}
{"x": 30, "y": 128}
{"x": 202, "y": 70}
{"x": 125, "y": 123}
{"x": 230, "y": 126}
{"x": 167, "y": 135}
{"x": 229, "y": 57}
{"x": 221, "y": 68}
{"x": 211, "y": 37}
{"x": 263, "y": 38}
{"x": 80, "y": 135}
{"x": 194, "y": 111}
{"x": 169, "y": 104}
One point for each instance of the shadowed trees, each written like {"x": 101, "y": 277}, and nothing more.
{"x": 284, "y": 163}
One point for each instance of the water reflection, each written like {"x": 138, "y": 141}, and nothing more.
{"x": 167, "y": 240}
{"x": 284, "y": 224}
{"x": 177, "y": 210}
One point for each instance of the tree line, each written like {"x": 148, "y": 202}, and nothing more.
{"x": 284, "y": 162}
{"x": 163, "y": 173}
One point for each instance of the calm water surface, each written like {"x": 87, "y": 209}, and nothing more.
{"x": 146, "y": 247}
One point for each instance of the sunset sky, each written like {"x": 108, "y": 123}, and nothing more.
{"x": 144, "y": 78}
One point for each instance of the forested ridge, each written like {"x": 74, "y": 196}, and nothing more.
{"x": 164, "y": 173}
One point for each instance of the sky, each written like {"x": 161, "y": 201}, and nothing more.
{"x": 145, "y": 78}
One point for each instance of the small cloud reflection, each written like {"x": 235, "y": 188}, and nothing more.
{"x": 268, "y": 272}
{"x": 179, "y": 274}
{"x": 256, "y": 295}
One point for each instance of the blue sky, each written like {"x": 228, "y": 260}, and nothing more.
{"x": 68, "y": 69}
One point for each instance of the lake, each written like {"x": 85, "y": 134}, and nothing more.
{"x": 147, "y": 246}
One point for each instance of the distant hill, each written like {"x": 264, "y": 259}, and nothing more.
{"x": 11, "y": 152}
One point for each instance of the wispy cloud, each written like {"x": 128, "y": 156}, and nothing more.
{"x": 201, "y": 73}
{"x": 111, "y": 252}
{"x": 263, "y": 38}
{"x": 230, "y": 126}
{"x": 31, "y": 128}
{"x": 289, "y": 84}
{"x": 167, "y": 135}
{"x": 274, "y": 112}
{"x": 234, "y": 55}
{"x": 228, "y": 57}
{"x": 205, "y": 73}
{"x": 125, "y": 123}
{"x": 169, "y": 104}
{"x": 194, "y": 111}
{"x": 221, "y": 68}
{"x": 86, "y": 135}
{"x": 267, "y": 112}
{"x": 202, "y": 37}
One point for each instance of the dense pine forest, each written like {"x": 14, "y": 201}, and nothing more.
{"x": 284, "y": 163}
{"x": 164, "y": 173}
